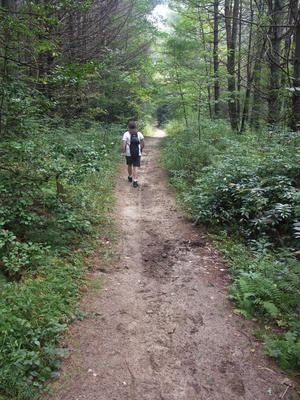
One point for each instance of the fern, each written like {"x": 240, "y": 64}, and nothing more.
{"x": 270, "y": 308}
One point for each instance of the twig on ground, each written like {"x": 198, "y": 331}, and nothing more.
{"x": 284, "y": 393}
{"x": 132, "y": 386}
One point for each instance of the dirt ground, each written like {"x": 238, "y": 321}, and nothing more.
{"x": 162, "y": 328}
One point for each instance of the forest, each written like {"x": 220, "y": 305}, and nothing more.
{"x": 222, "y": 78}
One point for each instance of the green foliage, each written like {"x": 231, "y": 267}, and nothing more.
{"x": 55, "y": 191}
{"x": 248, "y": 187}
{"x": 33, "y": 317}
{"x": 242, "y": 192}
{"x": 59, "y": 88}
{"x": 267, "y": 286}
{"x": 193, "y": 152}
{"x": 41, "y": 75}
{"x": 285, "y": 348}
{"x": 16, "y": 255}
{"x": 266, "y": 283}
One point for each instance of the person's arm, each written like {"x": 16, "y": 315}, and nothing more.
{"x": 142, "y": 142}
{"x": 124, "y": 144}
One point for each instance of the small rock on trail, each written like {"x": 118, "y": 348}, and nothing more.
{"x": 167, "y": 330}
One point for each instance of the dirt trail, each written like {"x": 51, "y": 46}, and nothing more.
{"x": 162, "y": 327}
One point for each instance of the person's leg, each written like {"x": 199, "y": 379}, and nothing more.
{"x": 135, "y": 173}
{"x": 129, "y": 168}
{"x": 136, "y": 165}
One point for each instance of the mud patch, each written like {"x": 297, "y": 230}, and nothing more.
{"x": 158, "y": 257}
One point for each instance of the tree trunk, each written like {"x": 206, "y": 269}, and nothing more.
{"x": 239, "y": 66}
{"x": 181, "y": 97}
{"x": 286, "y": 73}
{"x": 199, "y": 115}
{"x": 296, "y": 94}
{"x": 5, "y": 4}
{"x": 249, "y": 74}
{"x": 216, "y": 60}
{"x": 207, "y": 62}
{"x": 256, "y": 107}
{"x": 275, "y": 9}
{"x": 231, "y": 22}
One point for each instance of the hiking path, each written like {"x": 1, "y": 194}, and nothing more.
{"x": 162, "y": 327}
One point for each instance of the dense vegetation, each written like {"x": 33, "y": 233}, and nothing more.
{"x": 44, "y": 238}
{"x": 225, "y": 78}
{"x": 229, "y": 70}
{"x": 71, "y": 75}
{"x": 248, "y": 190}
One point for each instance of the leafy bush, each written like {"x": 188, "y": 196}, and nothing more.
{"x": 185, "y": 154}
{"x": 16, "y": 255}
{"x": 285, "y": 348}
{"x": 248, "y": 187}
{"x": 33, "y": 317}
{"x": 55, "y": 190}
{"x": 240, "y": 192}
{"x": 267, "y": 285}
{"x": 251, "y": 188}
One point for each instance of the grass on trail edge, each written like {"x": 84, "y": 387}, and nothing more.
{"x": 35, "y": 312}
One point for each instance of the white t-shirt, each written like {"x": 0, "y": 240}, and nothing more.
{"x": 126, "y": 139}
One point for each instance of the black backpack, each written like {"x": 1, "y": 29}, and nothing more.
{"x": 134, "y": 145}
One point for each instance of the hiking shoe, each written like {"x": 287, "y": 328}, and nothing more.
{"x": 130, "y": 179}
{"x": 135, "y": 184}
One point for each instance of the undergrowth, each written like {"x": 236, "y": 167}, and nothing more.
{"x": 247, "y": 187}
{"x": 56, "y": 198}
{"x": 266, "y": 286}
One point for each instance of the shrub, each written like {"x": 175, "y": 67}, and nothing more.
{"x": 55, "y": 190}
{"x": 238, "y": 191}
{"x": 248, "y": 187}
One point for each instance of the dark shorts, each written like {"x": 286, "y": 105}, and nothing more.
{"x": 136, "y": 162}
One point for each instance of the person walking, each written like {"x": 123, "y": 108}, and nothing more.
{"x": 133, "y": 144}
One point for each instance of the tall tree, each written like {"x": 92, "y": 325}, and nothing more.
{"x": 216, "y": 60}
{"x": 249, "y": 72}
{"x": 296, "y": 91}
{"x": 274, "y": 59}
{"x": 231, "y": 23}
